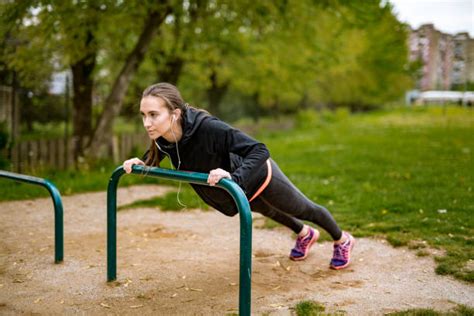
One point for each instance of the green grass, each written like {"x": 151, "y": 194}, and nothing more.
{"x": 404, "y": 174}
{"x": 460, "y": 310}
{"x": 68, "y": 182}
{"x": 169, "y": 202}
{"x": 309, "y": 308}
{"x": 313, "y": 308}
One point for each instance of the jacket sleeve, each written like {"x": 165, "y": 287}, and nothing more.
{"x": 253, "y": 153}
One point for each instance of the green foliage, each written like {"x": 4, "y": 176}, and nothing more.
{"x": 368, "y": 65}
{"x": 309, "y": 308}
{"x": 334, "y": 54}
{"x": 468, "y": 86}
{"x": 43, "y": 108}
{"x": 39, "y": 38}
{"x": 280, "y": 54}
{"x": 23, "y": 46}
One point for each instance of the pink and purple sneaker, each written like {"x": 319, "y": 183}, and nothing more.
{"x": 303, "y": 244}
{"x": 342, "y": 253}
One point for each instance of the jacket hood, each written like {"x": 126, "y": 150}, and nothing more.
{"x": 191, "y": 121}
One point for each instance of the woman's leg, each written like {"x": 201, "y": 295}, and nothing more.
{"x": 306, "y": 235}
{"x": 284, "y": 197}
{"x": 259, "y": 206}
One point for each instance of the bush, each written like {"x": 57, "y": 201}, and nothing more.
{"x": 309, "y": 118}
{"x": 309, "y": 308}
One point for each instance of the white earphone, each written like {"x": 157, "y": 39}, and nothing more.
{"x": 179, "y": 161}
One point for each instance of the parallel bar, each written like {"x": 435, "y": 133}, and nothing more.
{"x": 197, "y": 178}
{"x": 58, "y": 208}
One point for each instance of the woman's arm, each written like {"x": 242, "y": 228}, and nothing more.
{"x": 253, "y": 153}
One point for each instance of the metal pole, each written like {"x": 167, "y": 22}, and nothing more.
{"x": 230, "y": 186}
{"x": 112, "y": 224}
{"x": 58, "y": 208}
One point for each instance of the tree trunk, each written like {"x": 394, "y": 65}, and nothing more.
{"x": 172, "y": 70}
{"x": 215, "y": 94}
{"x": 83, "y": 84}
{"x": 175, "y": 62}
{"x": 103, "y": 131}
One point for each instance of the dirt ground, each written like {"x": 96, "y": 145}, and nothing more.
{"x": 187, "y": 264}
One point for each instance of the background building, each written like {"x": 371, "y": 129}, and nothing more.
{"x": 447, "y": 60}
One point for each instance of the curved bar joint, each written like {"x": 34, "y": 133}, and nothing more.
{"x": 58, "y": 208}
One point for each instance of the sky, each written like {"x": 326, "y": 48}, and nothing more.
{"x": 448, "y": 16}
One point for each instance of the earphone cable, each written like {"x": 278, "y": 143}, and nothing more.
{"x": 179, "y": 165}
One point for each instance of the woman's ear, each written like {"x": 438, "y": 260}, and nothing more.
{"x": 176, "y": 113}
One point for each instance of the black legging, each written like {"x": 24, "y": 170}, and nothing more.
{"x": 283, "y": 202}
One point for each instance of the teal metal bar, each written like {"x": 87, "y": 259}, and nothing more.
{"x": 197, "y": 178}
{"x": 58, "y": 208}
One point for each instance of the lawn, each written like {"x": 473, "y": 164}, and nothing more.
{"x": 404, "y": 174}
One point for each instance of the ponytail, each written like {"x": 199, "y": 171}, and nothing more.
{"x": 152, "y": 157}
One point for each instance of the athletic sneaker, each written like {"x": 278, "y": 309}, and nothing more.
{"x": 303, "y": 244}
{"x": 342, "y": 253}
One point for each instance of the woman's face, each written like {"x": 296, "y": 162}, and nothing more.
{"x": 156, "y": 117}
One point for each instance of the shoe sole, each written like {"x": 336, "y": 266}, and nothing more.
{"x": 311, "y": 242}
{"x": 349, "y": 259}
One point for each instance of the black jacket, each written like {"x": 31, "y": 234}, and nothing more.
{"x": 208, "y": 143}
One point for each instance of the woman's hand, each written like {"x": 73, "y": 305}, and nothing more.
{"x": 216, "y": 175}
{"x": 127, "y": 164}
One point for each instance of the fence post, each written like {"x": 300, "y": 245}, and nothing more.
{"x": 245, "y": 274}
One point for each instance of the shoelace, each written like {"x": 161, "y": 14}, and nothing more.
{"x": 341, "y": 251}
{"x": 302, "y": 242}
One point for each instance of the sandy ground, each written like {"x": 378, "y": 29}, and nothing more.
{"x": 187, "y": 264}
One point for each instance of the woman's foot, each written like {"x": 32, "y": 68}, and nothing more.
{"x": 303, "y": 244}
{"x": 342, "y": 252}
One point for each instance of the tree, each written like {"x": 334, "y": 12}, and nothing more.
{"x": 279, "y": 54}
{"x": 267, "y": 49}
{"x": 103, "y": 131}
{"x": 69, "y": 35}
{"x": 76, "y": 30}
{"x": 370, "y": 66}
{"x": 334, "y": 53}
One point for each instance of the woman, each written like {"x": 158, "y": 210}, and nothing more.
{"x": 196, "y": 141}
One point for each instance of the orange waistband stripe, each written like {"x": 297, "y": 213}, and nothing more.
{"x": 265, "y": 183}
